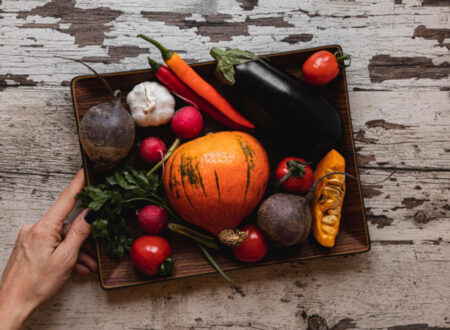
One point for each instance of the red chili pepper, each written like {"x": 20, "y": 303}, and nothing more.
{"x": 171, "y": 81}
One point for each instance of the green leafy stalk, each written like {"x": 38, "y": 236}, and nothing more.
{"x": 214, "y": 263}
{"x": 169, "y": 152}
{"x": 200, "y": 238}
{"x": 226, "y": 60}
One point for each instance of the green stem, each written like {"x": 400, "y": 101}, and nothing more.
{"x": 213, "y": 263}
{"x": 169, "y": 152}
{"x": 194, "y": 235}
{"x": 177, "y": 226}
{"x": 341, "y": 57}
{"x": 168, "y": 209}
{"x": 166, "y": 267}
{"x": 165, "y": 53}
{"x": 154, "y": 65}
{"x": 296, "y": 168}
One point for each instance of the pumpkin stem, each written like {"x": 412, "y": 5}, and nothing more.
{"x": 232, "y": 238}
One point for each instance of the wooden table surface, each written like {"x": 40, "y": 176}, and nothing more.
{"x": 399, "y": 95}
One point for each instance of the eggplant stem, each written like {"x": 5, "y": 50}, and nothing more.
{"x": 116, "y": 94}
{"x": 169, "y": 152}
{"x": 213, "y": 263}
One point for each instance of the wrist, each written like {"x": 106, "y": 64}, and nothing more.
{"x": 14, "y": 311}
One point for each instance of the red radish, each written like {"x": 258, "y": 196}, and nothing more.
{"x": 153, "y": 219}
{"x": 187, "y": 123}
{"x": 152, "y": 150}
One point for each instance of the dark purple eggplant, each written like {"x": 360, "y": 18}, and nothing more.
{"x": 300, "y": 114}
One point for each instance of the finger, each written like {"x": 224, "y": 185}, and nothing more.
{"x": 65, "y": 229}
{"x": 89, "y": 248}
{"x": 66, "y": 200}
{"x": 86, "y": 260}
{"x": 77, "y": 234}
{"x": 81, "y": 270}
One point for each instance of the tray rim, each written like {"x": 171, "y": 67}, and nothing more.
{"x": 243, "y": 266}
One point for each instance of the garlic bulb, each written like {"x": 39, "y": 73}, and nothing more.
{"x": 151, "y": 104}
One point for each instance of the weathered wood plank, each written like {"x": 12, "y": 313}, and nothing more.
{"x": 402, "y": 129}
{"x": 394, "y": 45}
{"x": 395, "y": 293}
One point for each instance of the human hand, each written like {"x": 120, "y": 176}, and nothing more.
{"x": 43, "y": 258}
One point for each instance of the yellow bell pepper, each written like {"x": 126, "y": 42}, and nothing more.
{"x": 326, "y": 205}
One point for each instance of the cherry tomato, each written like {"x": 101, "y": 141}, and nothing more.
{"x": 151, "y": 255}
{"x": 322, "y": 67}
{"x": 254, "y": 248}
{"x": 294, "y": 175}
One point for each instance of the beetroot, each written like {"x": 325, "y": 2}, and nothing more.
{"x": 153, "y": 219}
{"x": 152, "y": 150}
{"x": 187, "y": 123}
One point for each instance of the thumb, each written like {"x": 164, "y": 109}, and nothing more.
{"x": 76, "y": 235}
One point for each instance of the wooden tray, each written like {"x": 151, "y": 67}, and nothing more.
{"x": 353, "y": 236}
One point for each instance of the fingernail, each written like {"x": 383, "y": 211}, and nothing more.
{"x": 90, "y": 216}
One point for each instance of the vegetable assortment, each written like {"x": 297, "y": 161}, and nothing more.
{"x": 198, "y": 84}
{"x": 179, "y": 88}
{"x": 204, "y": 188}
{"x": 308, "y": 119}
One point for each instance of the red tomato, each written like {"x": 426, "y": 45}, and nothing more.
{"x": 321, "y": 68}
{"x": 295, "y": 175}
{"x": 254, "y": 248}
{"x": 151, "y": 255}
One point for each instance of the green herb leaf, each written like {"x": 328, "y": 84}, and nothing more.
{"x": 226, "y": 60}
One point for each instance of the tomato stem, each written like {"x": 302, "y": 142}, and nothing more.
{"x": 342, "y": 57}
{"x": 166, "y": 267}
{"x": 296, "y": 169}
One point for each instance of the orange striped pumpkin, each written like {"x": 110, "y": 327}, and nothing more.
{"x": 216, "y": 180}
